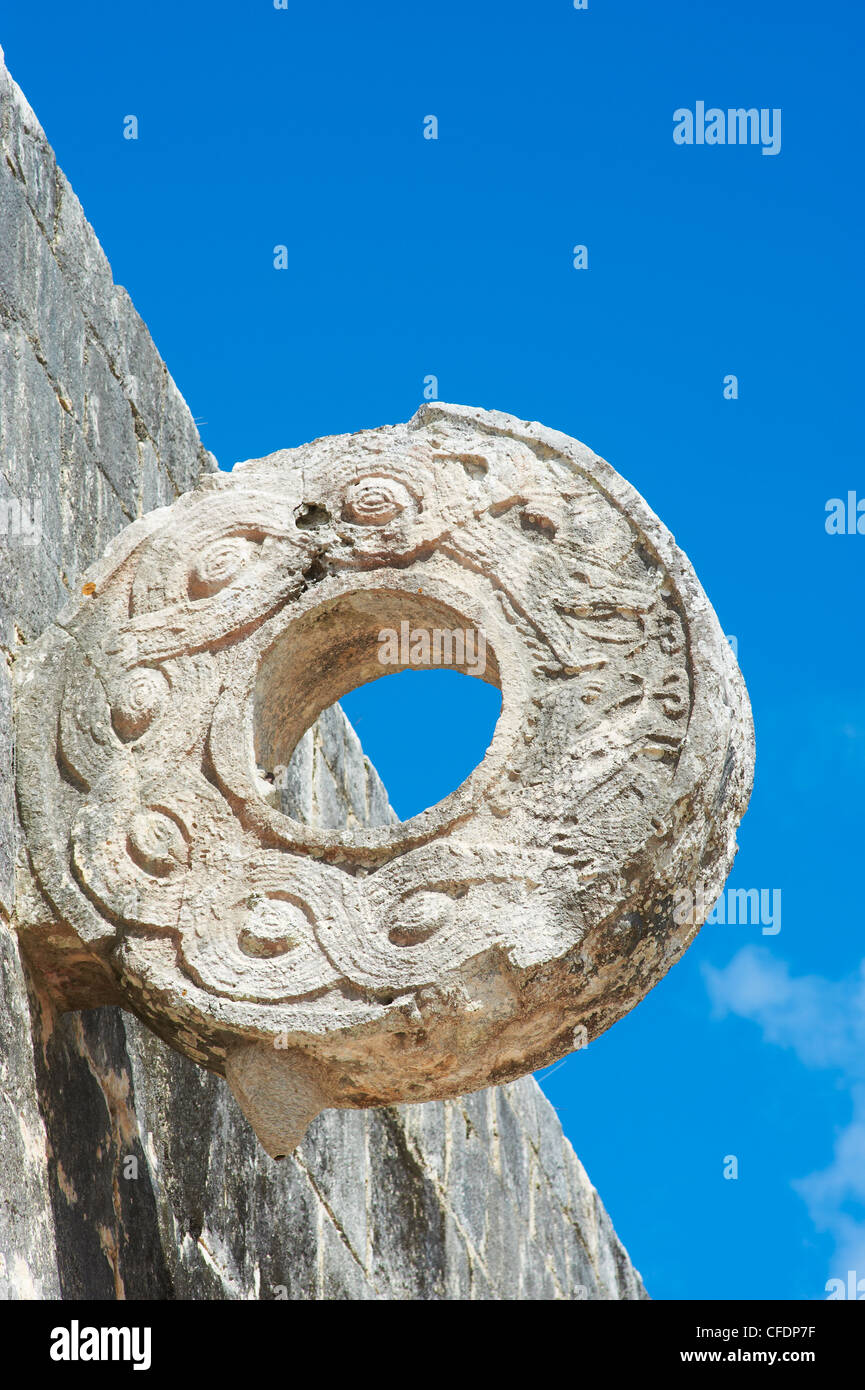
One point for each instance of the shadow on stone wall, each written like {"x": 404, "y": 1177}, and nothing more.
{"x": 106, "y": 1222}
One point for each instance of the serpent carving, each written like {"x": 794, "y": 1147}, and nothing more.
{"x": 414, "y": 961}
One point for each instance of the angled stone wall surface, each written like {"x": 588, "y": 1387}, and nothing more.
{"x": 126, "y": 1171}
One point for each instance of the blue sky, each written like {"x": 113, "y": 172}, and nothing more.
{"x": 408, "y": 257}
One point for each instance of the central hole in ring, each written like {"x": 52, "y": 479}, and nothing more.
{"x": 423, "y": 731}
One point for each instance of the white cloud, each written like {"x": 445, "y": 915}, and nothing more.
{"x": 843, "y": 1182}
{"x": 823, "y": 1023}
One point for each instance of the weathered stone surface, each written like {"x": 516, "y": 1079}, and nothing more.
{"x": 159, "y": 1189}
{"x": 202, "y": 1212}
{"x": 327, "y": 766}
{"x": 326, "y": 965}
{"x": 93, "y": 430}
{"x": 28, "y": 1263}
{"x": 65, "y": 422}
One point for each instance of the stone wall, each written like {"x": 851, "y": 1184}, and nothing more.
{"x": 126, "y": 1171}
{"x": 93, "y": 432}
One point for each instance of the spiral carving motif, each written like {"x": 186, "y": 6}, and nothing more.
{"x": 412, "y": 961}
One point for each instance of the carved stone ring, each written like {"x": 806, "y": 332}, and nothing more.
{"x": 421, "y": 960}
